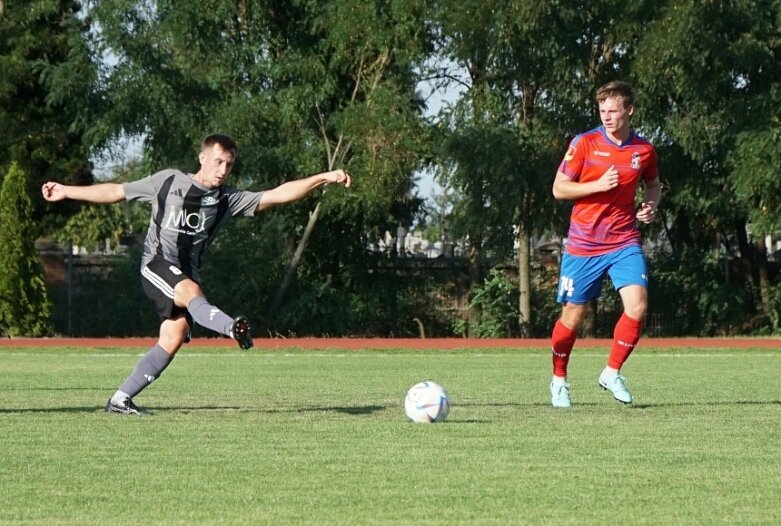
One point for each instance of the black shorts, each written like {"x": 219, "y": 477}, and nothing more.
{"x": 158, "y": 278}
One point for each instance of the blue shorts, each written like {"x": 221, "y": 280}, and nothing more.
{"x": 580, "y": 280}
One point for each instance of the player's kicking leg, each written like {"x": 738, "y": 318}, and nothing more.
{"x": 240, "y": 331}
{"x": 207, "y": 315}
{"x": 171, "y": 289}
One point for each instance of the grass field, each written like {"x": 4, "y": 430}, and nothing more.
{"x": 320, "y": 437}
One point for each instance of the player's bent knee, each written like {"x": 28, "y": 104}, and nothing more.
{"x": 572, "y": 315}
{"x": 173, "y": 334}
{"x": 185, "y": 291}
{"x": 637, "y": 311}
{"x": 171, "y": 342}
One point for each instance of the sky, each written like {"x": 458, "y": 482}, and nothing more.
{"x": 435, "y": 99}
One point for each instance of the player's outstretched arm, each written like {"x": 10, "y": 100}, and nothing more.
{"x": 300, "y": 188}
{"x": 102, "y": 193}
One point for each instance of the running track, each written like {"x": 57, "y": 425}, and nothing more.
{"x": 396, "y": 343}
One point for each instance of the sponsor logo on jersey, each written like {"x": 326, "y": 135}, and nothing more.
{"x": 570, "y": 153}
{"x": 635, "y": 160}
{"x": 601, "y": 154}
{"x": 183, "y": 221}
{"x": 209, "y": 200}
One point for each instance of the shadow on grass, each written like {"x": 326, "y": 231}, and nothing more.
{"x": 717, "y": 403}
{"x": 366, "y": 409}
{"x": 349, "y": 410}
{"x": 57, "y": 388}
{"x": 355, "y": 410}
{"x": 520, "y": 404}
{"x": 84, "y": 409}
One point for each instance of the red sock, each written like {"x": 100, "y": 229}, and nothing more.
{"x": 625, "y": 337}
{"x": 562, "y": 341}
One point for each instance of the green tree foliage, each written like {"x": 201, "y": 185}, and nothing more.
{"x": 24, "y": 305}
{"x": 709, "y": 73}
{"x": 756, "y": 175}
{"x": 498, "y": 310}
{"x": 303, "y": 86}
{"x": 92, "y": 225}
{"x": 356, "y": 85}
{"x": 306, "y": 86}
{"x": 532, "y": 68}
{"x": 45, "y": 97}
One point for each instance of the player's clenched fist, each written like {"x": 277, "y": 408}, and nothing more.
{"x": 53, "y": 191}
{"x": 647, "y": 212}
{"x": 339, "y": 177}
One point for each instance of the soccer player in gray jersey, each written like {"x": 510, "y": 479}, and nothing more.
{"x": 187, "y": 212}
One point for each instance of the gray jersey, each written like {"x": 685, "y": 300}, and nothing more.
{"x": 186, "y": 216}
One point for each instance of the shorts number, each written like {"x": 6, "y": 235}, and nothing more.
{"x": 566, "y": 286}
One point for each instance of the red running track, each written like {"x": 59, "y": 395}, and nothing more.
{"x": 396, "y": 343}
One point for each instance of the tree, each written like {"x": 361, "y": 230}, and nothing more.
{"x": 360, "y": 96}
{"x": 302, "y": 86}
{"x": 45, "y": 97}
{"x": 709, "y": 72}
{"x": 532, "y": 68}
{"x": 24, "y": 305}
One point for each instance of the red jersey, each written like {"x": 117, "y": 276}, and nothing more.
{"x": 604, "y": 222}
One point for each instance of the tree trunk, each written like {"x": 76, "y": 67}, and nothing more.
{"x": 760, "y": 251}
{"x": 292, "y": 268}
{"x": 475, "y": 273}
{"x": 746, "y": 257}
{"x": 524, "y": 282}
{"x": 589, "y": 327}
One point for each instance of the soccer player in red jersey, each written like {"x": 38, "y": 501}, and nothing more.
{"x": 601, "y": 172}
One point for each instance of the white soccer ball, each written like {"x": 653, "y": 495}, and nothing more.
{"x": 427, "y": 402}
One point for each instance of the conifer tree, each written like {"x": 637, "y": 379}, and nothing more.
{"x": 24, "y": 304}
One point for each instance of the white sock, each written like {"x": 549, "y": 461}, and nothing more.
{"x": 558, "y": 380}
{"x": 119, "y": 396}
{"x": 609, "y": 372}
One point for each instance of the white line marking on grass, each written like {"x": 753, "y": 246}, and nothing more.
{"x": 373, "y": 354}
{"x": 704, "y": 355}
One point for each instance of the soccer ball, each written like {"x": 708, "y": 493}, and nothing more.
{"x": 427, "y": 402}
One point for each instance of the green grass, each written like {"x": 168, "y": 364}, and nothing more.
{"x": 306, "y": 437}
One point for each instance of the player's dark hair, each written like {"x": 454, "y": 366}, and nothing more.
{"x": 617, "y": 88}
{"x": 225, "y": 142}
